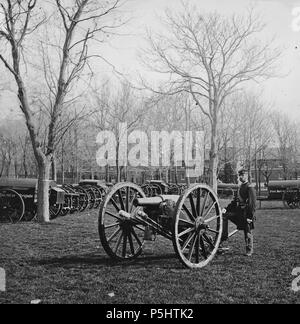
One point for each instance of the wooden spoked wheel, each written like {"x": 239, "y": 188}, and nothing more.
{"x": 197, "y": 226}
{"x": 122, "y": 238}
{"x": 12, "y": 207}
{"x": 99, "y": 194}
{"x": 92, "y": 197}
{"x": 147, "y": 190}
{"x": 156, "y": 190}
{"x": 291, "y": 198}
{"x": 55, "y": 211}
{"x": 83, "y": 198}
{"x": 65, "y": 210}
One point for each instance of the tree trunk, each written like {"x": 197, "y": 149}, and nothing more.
{"x": 117, "y": 163}
{"x": 43, "y": 191}
{"x": 176, "y": 174}
{"x": 213, "y": 158}
{"x": 25, "y": 166}
{"x": 54, "y": 169}
{"x": 16, "y": 169}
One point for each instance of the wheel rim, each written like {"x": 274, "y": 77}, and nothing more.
{"x": 291, "y": 199}
{"x": 12, "y": 206}
{"x": 66, "y": 206}
{"x": 197, "y": 227}
{"x": 98, "y": 197}
{"x": 122, "y": 239}
{"x": 55, "y": 211}
{"x": 84, "y": 198}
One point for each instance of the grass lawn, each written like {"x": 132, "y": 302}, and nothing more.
{"x": 63, "y": 262}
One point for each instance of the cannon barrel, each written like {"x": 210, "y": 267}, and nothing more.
{"x": 232, "y": 186}
{"x": 154, "y": 201}
{"x": 284, "y": 184}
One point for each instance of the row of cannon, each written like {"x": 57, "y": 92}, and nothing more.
{"x": 286, "y": 191}
{"x": 154, "y": 188}
{"x": 18, "y": 198}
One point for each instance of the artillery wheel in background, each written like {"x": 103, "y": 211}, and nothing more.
{"x": 55, "y": 211}
{"x": 121, "y": 238}
{"x": 197, "y": 226}
{"x": 66, "y": 207}
{"x": 291, "y": 199}
{"x": 147, "y": 190}
{"x": 99, "y": 194}
{"x": 83, "y": 198}
{"x": 92, "y": 197}
{"x": 12, "y": 206}
{"x": 156, "y": 190}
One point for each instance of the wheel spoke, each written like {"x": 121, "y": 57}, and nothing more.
{"x": 211, "y": 219}
{"x": 187, "y": 231}
{"x": 115, "y": 204}
{"x": 197, "y": 250}
{"x": 193, "y": 208}
{"x": 210, "y": 209}
{"x": 198, "y": 202}
{"x": 213, "y": 231}
{"x": 136, "y": 237}
{"x": 209, "y": 241}
{"x": 121, "y": 200}
{"x": 132, "y": 202}
{"x": 112, "y": 225}
{"x": 186, "y": 222}
{"x": 131, "y": 242}
{"x": 188, "y": 241}
{"x": 119, "y": 242}
{"x": 188, "y": 213}
{"x": 204, "y": 204}
{"x": 127, "y": 199}
{"x": 192, "y": 248}
{"x": 124, "y": 244}
{"x": 204, "y": 253}
{"x": 114, "y": 235}
{"x": 112, "y": 215}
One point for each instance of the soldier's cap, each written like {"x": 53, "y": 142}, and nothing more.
{"x": 242, "y": 172}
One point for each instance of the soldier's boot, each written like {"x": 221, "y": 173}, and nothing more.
{"x": 249, "y": 245}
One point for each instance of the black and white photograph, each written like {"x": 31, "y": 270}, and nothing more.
{"x": 149, "y": 154}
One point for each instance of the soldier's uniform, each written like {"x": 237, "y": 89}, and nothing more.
{"x": 241, "y": 212}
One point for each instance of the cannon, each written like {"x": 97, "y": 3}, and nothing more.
{"x": 191, "y": 221}
{"x": 227, "y": 190}
{"x": 151, "y": 189}
{"x": 286, "y": 190}
{"x": 18, "y": 199}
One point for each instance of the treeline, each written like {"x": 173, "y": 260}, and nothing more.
{"x": 251, "y": 134}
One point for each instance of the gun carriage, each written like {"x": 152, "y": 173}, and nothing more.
{"x": 287, "y": 191}
{"x": 18, "y": 199}
{"x": 96, "y": 189}
{"x": 192, "y": 221}
{"x": 88, "y": 194}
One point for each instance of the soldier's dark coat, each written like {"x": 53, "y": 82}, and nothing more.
{"x": 243, "y": 207}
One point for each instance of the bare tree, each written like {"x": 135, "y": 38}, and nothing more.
{"x": 287, "y": 137}
{"x": 210, "y": 56}
{"x": 124, "y": 106}
{"x": 81, "y": 21}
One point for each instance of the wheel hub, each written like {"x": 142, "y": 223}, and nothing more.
{"x": 200, "y": 225}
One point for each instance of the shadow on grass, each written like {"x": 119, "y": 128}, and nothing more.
{"x": 92, "y": 259}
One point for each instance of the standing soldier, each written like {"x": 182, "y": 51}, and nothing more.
{"x": 241, "y": 212}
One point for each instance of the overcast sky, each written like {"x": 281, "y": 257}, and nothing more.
{"x": 282, "y": 93}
